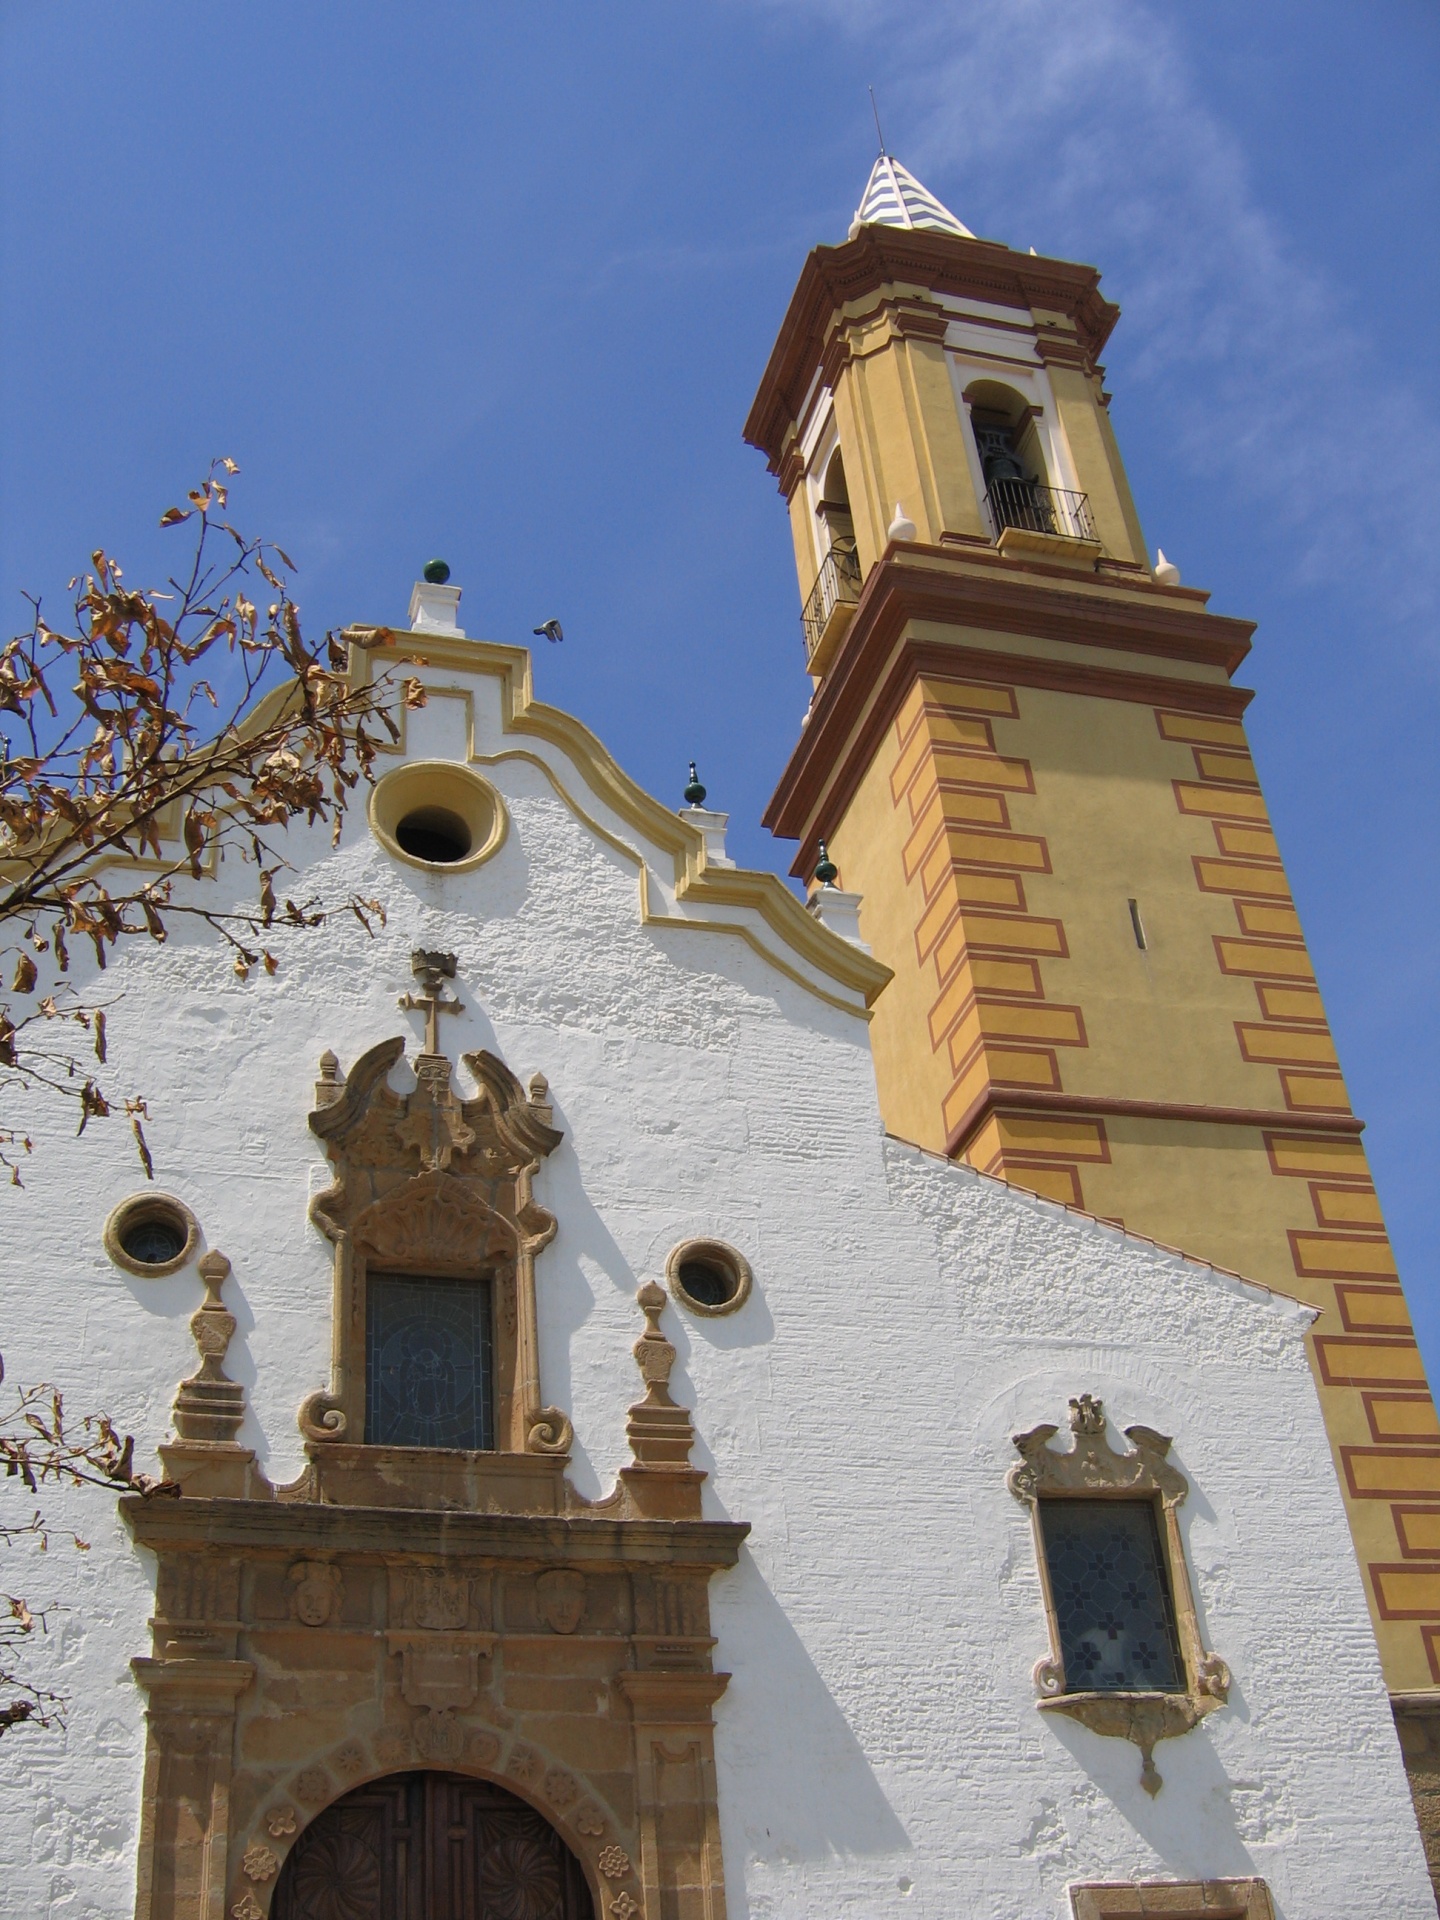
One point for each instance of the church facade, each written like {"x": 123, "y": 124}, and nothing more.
{"x": 619, "y": 1458}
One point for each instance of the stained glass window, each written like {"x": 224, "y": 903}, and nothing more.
{"x": 1112, "y": 1596}
{"x": 427, "y": 1362}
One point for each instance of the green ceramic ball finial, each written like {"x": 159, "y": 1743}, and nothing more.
{"x": 826, "y": 871}
{"x": 436, "y": 572}
{"x": 694, "y": 792}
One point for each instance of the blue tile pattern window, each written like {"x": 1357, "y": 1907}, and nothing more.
{"x": 1112, "y": 1596}
{"x": 428, "y": 1374}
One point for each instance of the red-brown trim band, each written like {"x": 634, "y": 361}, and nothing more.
{"x": 827, "y": 766}
{"x": 1004, "y": 1099}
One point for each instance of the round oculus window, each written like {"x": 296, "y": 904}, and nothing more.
{"x": 151, "y": 1234}
{"x": 437, "y": 814}
{"x": 434, "y": 835}
{"x": 153, "y": 1243}
{"x": 708, "y": 1276}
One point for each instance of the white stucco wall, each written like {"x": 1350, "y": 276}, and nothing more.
{"x": 879, "y": 1749}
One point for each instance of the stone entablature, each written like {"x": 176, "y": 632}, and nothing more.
{"x": 301, "y": 1649}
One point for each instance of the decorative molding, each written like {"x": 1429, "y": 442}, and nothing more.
{"x": 1042, "y": 1100}
{"x": 835, "y": 280}
{"x": 414, "y": 1608}
{"x": 431, "y": 1183}
{"x": 1091, "y": 1470}
{"x": 877, "y": 663}
{"x": 698, "y": 885}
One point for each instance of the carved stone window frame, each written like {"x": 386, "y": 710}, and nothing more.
{"x": 440, "y": 1187}
{"x": 1092, "y": 1470}
{"x": 1176, "y": 1899}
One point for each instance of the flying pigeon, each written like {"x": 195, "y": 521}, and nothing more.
{"x": 552, "y": 630}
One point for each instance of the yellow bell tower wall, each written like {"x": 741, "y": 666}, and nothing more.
{"x": 1026, "y": 752}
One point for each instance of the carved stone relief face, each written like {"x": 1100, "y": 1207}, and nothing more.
{"x": 560, "y": 1599}
{"x": 317, "y": 1591}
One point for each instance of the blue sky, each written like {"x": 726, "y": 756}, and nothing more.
{"x": 498, "y": 282}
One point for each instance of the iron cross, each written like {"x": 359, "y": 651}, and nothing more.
{"x": 432, "y": 970}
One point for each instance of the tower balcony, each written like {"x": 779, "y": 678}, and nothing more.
{"x": 831, "y": 605}
{"x": 1055, "y": 522}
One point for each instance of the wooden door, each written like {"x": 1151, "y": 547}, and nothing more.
{"x": 431, "y": 1846}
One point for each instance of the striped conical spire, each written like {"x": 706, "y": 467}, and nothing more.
{"x": 893, "y": 197}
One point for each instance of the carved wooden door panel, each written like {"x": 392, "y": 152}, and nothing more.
{"x": 431, "y": 1846}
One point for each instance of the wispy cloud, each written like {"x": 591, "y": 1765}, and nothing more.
{"x": 1085, "y": 131}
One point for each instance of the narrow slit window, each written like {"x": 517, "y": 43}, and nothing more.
{"x": 428, "y": 1362}
{"x": 1111, "y": 1590}
{"x": 1138, "y": 924}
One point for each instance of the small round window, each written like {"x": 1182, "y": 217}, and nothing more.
{"x": 437, "y": 813}
{"x": 151, "y": 1234}
{"x": 708, "y": 1277}
{"x": 435, "y": 835}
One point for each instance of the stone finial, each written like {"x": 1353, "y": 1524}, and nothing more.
{"x": 654, "y": 1354}
{"x": 662, "y": 1484}
{"x": 209, "y": 1405}
{"x": 329, "y": 1086}
{"x": 902, "y": 527}
{"x": 1087, "y": 1414}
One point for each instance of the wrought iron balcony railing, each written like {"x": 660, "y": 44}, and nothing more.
{"x": 1038, "y": 509}
{"x": 832, "y": 599}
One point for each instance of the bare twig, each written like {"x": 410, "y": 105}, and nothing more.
{"x": 136, "y": 754}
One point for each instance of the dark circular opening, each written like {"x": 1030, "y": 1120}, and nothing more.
{"x": 434, "y": 834}
{"x": 707, "y": 1282}
{"x": 153, "y": 1242}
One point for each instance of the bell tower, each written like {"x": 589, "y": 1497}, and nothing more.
{"x": 1026, "y": 751}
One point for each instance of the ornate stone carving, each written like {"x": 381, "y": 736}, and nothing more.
{"x": 613, "y": 1862}
{"x": 561, "y": 1789}
{"x": 260, "y": 1863}
{"x": 1093, "y": 1469}
{"x": 313, "y": 1785}
{"x": 431, "y": 1183}
{"x": 438, "y": 1736}
{"x": 209, "y": 1406}
{"x": 560, "y": 1599}
{"x": 280, "y": 1822}
{"x": 318, "y": 1587}
{"x": 393, "y": 1745}
{"x": 321, "y": 1417}
{"x": 436, "y": 1600}
{"x": 662, "y": 1484}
